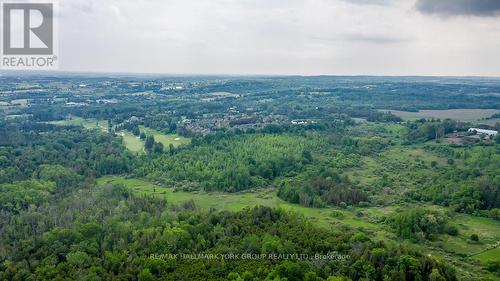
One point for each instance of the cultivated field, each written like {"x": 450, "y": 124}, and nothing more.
{"x": 490, "y": 122}
{"x": 458, "y": 114}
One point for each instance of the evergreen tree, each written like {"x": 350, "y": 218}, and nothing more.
{"x": 150, "y": 141}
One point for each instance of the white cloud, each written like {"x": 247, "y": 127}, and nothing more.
{"x": 273, "y": 37}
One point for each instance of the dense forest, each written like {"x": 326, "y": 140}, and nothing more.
{"x": 28, "y": 150}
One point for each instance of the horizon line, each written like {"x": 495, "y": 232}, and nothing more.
{"x": 119, "y": 73}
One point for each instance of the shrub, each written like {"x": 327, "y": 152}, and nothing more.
{"x": 364, "y": 204}
{"x": 337, "y": 214}
{"x": 451, "y": 230}
{"x": 474, "y": 237}
{"x": 493, "y": 266}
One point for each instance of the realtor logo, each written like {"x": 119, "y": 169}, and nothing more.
{"x": 28, "y": 36}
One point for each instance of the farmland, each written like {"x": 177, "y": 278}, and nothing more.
{"x": 458, "y": 114}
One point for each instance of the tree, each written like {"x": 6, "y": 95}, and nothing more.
{"x": 145, "y": 275}
{"x": 136, "y": 131}
{"x": 493, "y": 266}
{"x": 410, "y": 267}
{"x": 418, "y": 224}
{"x": 307, "y": 157}
{"x": 79, "y": 259}
{"x": 65, "y": 178}
{"x": 150, "y": 141}
{"x": 142, "y": 136}
{"x": 158, "y": 147}
{"x": 436, "y": 276}
{"x": 334, "y": 278}
{"x": 110, "y": 125}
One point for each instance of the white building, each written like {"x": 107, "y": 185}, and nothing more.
{"x": 483, "y": 131}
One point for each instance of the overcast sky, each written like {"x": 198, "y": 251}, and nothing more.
{"x": 340, "y": 37}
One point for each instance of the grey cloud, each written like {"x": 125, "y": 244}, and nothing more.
{"x": 365, "y": 38}
{"x": 380, "y": 39}
{"x": 369, "y": 2}
{"x": 482, "y": 8}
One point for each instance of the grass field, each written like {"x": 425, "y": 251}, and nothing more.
{"x": 87, "y": 123}
{"x": 488, "y": 231}
{"x": 173, "y": 139}
{"x": 132, "y": 142}
{"x": 458, "y": 114}
{"x": 135, "y": 144}
{"x": 490, "y": 255}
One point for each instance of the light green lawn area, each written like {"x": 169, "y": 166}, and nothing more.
{"x": 132, "y": 143}
{"x": 135, "y": 144}
{"x": 490, "y": 255}
{"x": 166, "y": 140}
{"x": 87, "y": 123}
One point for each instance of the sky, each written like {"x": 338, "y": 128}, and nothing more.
{"x": 300, "y": 37}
